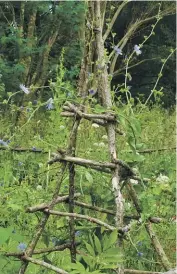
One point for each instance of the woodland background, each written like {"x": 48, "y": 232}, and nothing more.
{"x": 43, "y": 45}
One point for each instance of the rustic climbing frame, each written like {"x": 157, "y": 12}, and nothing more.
{"x": 67, "y": 158}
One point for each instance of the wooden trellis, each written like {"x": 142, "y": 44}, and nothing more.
{"x": 68, "y": 161}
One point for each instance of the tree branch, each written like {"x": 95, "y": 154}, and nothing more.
{"x": 119, "y": 9}
{"x": 80, "y": 216}
{"x": 44, "y": 264}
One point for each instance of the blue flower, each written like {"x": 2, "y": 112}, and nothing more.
{"x": 92, "y": 91}
{"x": 3, "y": 143}
{"x": 28, "y": 109}
{"x": 8, "y": 141}
{"x": 13, "y": 231}
{"x": 24, "y": 89}
{"x": 78, "y": 233}
{"x": 139, "y": 243}
{"x": 34, "y": 148}
{"x": 20, "y": 163}
{"x": 118, "y": 50}
{"x": 137, "y": 50}
{"x": 1, "y": 184}
{"x": 140, "y": 254}
{"x": 22, "y": 246}
{"x": 50, "y": 105}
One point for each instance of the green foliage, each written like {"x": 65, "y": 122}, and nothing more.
{"x": 37, "y": 128}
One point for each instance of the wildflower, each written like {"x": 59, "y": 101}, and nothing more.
{"x": 140, "y": 254}
{"x": 105, "y": 137}
{"x": 133, "y": 182}
{"x": 92, "y": 91}
{"x": 78, "y": 233}
{"x": 95, "y": 125}
{"x": 22, "y": 246}
{"x": 139, "y": 243}
{"x": 24, "y": 89}
{"x": 8, "y": 141}
{"x": 62, "y": 127}
{"x": 13, "y": 231}
{"x": 50, "y": 105}
{"x": 162, "y": 179}
{"x": 34, "y": 148}
{"x": 118, "y": 50}
{"x": 96, "y": 144}
{"x": 3, "y": 143}
{"x": 101, "y": 144}
{"x": 39, "y": 187}
{"x": 20, "y": 163}
{"x": 137, "y": 50}
{"x": 22, "y": 107}
{"x": 1, "y": 184}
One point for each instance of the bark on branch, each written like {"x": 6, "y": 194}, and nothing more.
{"x": 44, "y": 205}
{"x": 44, "y": 264}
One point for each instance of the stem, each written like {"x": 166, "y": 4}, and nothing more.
{"x": 159, "y": 76}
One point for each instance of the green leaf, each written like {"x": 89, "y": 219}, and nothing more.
{"x": 113, "y": 237}
{"x": 89, "y": 177}
{"x": 5, "y": 234}
{"x": 78, "y": 266}
{"x": 90, "y": 249}
{"x": 136, "y": 126}
{"x": 97, "y": 244}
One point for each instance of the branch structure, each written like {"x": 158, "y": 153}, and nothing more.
{"x": 105, "y": 116}
{"x": 43, "y": 264}
{"x": 57, "y": 201}
{"x": 80, "y": 216}
{"x": 43, "y": 222}
{"x": 80, "y": 161}
{"x": 71, "y": 168}
{"x": 41, "y": 251}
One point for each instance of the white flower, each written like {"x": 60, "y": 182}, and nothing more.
{"x": 105, "y": 137}
{"x": 96, "y": 144}
{"x": 137, "y": 50}
{"x": 95, "y": 125}
{"x": 101, "y": 144}
{"x": 62, "y": 127}
{"x": 162, "y": 179}
{"x": 40, "y": 165}
{"x": 24, "y": 89}
{"x": 39, "y": 187}
{"x": 133, "y": 182}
